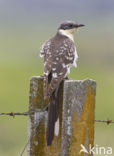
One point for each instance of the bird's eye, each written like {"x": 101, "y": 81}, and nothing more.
{"x": 71, "y": 26}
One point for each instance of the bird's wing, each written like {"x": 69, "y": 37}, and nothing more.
{"x": 48, "y": 61}
{"x": 60, "y": 62}
{"x": 45, "y": 47}
{"x": 57, "y": 61}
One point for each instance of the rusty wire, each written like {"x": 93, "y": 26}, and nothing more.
{"x": 32, "y": 112}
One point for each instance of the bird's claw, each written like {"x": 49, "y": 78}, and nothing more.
{"x": 67, "y": 78}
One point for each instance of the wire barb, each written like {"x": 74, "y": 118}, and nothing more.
{"x": 24, "y": 113}
{"x": 105, "y": 121}
{"x": 45, "y": 109}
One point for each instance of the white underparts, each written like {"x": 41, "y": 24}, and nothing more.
{"x": 74, "y": 62}
{"x": 68, "y": 70}
{"x": 75, "y": 58}
{"x": 56, "y": 131}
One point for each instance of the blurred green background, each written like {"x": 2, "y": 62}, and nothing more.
{"x": 24, "y": 26}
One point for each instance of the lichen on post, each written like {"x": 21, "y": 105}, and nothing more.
{"x": 37, "y": 122}
{"x": 76, "y": 114}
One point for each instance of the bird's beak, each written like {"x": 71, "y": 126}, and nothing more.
{"x": 80, "y": 25}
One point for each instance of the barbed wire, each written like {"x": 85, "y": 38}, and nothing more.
{"x": 105, "y": 121}
{"x": 42, "y": 110}
{"x": 13, "y": 114}
{"x": 39, "y": 110}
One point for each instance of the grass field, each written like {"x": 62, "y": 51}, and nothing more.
{"x": 14, "y": 93}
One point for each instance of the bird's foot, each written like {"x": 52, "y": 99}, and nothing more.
{"x": 67, "y": 78}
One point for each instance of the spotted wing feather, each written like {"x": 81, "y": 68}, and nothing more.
{"x": 60, "y": 62}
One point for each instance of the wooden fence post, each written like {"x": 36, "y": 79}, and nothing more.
{"x": 77, "y": 106}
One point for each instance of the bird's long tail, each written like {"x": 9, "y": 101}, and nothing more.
{"x": 53, "y": 115}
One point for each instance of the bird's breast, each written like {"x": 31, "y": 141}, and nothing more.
{"x": 75, "y": 58}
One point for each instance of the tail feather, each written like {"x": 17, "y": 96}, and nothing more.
{"x": 53, "y": 113}
{"x": 51, "y": 120}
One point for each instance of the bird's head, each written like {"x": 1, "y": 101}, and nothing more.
{"x": 69, "y": 28}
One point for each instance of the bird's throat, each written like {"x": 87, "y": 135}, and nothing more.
{"x": 68, "y": 33}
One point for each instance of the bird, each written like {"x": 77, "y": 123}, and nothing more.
{"x": 60, "y": 55}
